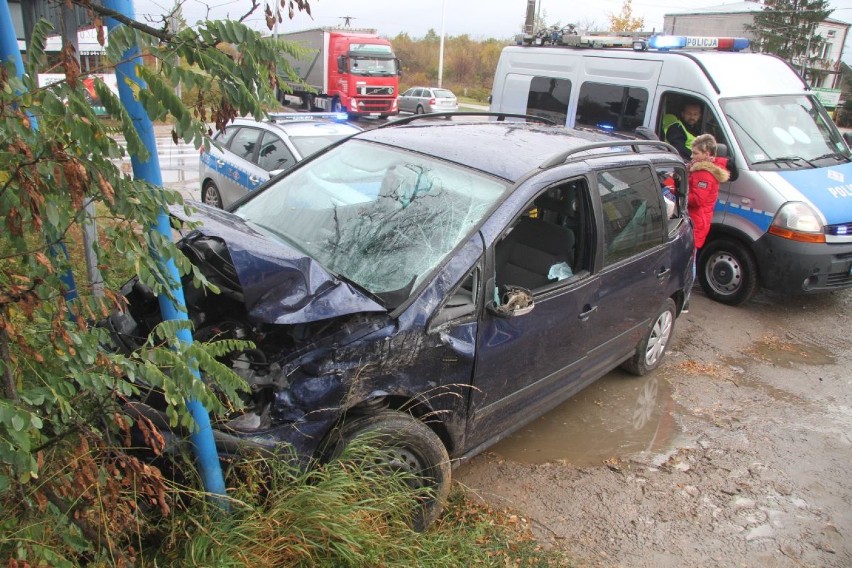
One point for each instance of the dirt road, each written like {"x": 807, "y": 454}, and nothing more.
{"x": 736, "y": 452}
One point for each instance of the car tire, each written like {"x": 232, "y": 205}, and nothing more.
{"x": 210, "y": 195}
{"x": 727, "y": 271}
{"x": 410, "y": 446}
{"x": 652, "y": 348}
{"x": 419, "y": 110}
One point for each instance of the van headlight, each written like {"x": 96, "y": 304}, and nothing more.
{"x": 797, "y": 221}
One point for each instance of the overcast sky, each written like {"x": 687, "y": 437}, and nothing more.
{"x": 480, "y": 19}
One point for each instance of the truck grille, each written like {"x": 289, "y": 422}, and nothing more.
{"x": 377, "y": 91}
{"x": 366, "y": 105}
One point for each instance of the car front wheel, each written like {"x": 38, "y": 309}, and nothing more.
{"x": 727, "y": 271}
{"x": 651, "y": 350}
{"x": 408, "y": 446}
{"x": 210, "y": 195}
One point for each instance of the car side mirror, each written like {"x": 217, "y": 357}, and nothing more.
{"x": 516, "y": 301}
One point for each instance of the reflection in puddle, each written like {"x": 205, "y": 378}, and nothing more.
{"x": 617, "y": 416}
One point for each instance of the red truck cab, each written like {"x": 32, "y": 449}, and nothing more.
{"x": 363, "y": 74}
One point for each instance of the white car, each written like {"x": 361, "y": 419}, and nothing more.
{"x": 249, "y": 152}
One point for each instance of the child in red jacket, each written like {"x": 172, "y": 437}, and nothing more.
{"x": 706, "y": 172}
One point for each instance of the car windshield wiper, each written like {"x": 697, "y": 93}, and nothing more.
{"x": 784, "y": 160}
{"x": 836, "y": 155}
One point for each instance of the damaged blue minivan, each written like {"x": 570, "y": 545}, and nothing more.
{"x": 437, "y": 284}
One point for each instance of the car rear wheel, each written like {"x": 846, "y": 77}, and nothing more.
{"x": 210, "y": 195}
{"x": 651, "y": 350}
{"x": 408, "y": 446}
{"x": 727, "y": 271}
{"x": 419, "y": 110}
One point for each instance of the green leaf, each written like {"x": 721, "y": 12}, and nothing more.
{"x": 18, "y": 423}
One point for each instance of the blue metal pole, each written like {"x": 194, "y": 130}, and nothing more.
{"x": 205, "y": 446}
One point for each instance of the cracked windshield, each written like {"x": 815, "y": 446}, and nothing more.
{"x": 381, "y": 218}
{"x": 800, "y": 136}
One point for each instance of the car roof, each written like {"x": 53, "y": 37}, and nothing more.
{"x": 508, "y": 150}
{"x": 302, "y": 126}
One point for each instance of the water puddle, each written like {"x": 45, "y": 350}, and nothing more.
{"x": 615, "y": 417}
{"x": 785, "y": 354}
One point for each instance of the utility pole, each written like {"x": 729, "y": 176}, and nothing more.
{"x": 441, "y": 48}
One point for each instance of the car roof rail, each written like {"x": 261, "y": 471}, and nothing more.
{"x": 501, "y": 116}
{"x": 615, "y": 145}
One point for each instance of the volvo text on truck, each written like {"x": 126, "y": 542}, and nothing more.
{"x": 345, "y": 70}
{"x": 784, "y": 220}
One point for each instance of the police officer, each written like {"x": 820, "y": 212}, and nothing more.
{"x": 680, "y": 132}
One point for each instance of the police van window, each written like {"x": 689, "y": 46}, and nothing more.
{"x": 548, "y": 98}
{"x": 672, "y": 107}
{"x": 611, "y": 107}
{"x": 633, "y": 216}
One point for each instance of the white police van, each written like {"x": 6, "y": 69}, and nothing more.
{"x": 784, "y": 220}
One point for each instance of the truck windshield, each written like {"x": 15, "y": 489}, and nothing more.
{"x": 372, "y": 66}
{"x": 785, "y": 132}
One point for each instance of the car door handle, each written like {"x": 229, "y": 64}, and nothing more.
{"x": 254, "y": 179}
{"x": 220, "y": 163}
{"x": 663, "y": 273}
{"x": 585, "y": 315}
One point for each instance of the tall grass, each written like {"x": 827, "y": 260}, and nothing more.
{"x": 343, "y": 514}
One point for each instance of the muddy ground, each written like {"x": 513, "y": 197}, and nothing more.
{"x": 736, "y": 452}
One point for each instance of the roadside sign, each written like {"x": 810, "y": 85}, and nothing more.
{"x": 829, "y": 98}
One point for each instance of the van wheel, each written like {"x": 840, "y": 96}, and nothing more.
{"x": 210, "y": 195}
{"x": 408, "y": 446}
{"x": 727, "y": 271}
{"x": 651, "y": 350}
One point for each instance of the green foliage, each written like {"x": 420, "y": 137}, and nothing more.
{"x": 340, "y": 514}
{"x": 68, "y": 488}
{"x": 786, "y": 28}
{"x": 467, "y": 63}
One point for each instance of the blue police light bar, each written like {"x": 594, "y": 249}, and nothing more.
{"x": 667, "y": 42}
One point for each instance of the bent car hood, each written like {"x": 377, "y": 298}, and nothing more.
{"x": 280, "y": 284}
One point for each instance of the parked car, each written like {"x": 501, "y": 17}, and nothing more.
{"x": 407, "y": 284}
{"x": 249, "y": 152}
{"x": 421, "y": 100}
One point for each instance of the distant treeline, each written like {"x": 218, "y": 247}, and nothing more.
{"x": 468, "y": 64}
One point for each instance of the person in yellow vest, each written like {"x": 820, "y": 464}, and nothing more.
{"x": 681, "y": 131}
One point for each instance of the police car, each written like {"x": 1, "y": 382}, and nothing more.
{"x": 249, "y": 152}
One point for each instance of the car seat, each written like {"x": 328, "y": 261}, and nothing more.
{"x": 527, "y": 254}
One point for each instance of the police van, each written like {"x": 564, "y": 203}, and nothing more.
{"x": 784, "y": 220}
